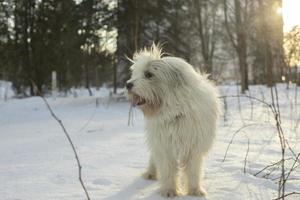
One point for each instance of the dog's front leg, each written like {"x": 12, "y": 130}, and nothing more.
{"x": 151, "y": 173}
{"x": 194, "y": 174}
{"x": 168, "y": 171}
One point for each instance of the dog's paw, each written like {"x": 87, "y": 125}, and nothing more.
{"x": 149, "y": 176}
{"x": 168, "y": 193}
{"x": 197, "y": 192}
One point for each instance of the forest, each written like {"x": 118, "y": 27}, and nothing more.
{"x": 87, "y": 42}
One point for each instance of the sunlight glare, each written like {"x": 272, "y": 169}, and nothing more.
{"x": 279, "y": 11}
{"x": 291, "y": 14}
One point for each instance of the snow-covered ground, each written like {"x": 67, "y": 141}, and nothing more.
{"x": 36, "y": 161}
{"x": 6, "y": 90}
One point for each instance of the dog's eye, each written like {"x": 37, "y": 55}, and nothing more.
{"x": 148, "y": 75}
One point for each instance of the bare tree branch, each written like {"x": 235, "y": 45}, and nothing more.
{"x": 66, "y": 134}
{"x": 246, "y": 156}
{"x": 268, "y": 166}
{"x": 233, "y": 136}
{"x": 289, "y": 173}
{"x": 288, "y": 194}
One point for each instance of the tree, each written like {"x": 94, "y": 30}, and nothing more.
{"x": 292, "y": 53}
{"x": 5, "y": 39}
{"x": 95, "y": 18}
{"x": 269, "y": 41}
{"x": 139, "y": 24}
{"x": 205, "y": 24}
{"x": 128, "y": 27}
{"x": 37, "y": 37}
{"x": 23, "y": 15}
{"x": 237, "y": 23}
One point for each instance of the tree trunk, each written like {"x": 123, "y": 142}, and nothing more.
{"x": 115, "y": 75}
{"x": 241, "y": 47}
{"x": 269, "y": 65}
{"x": 243, "y": 72}
{"x": 136, "y": 26}
{"x": 207, "y": 46}
{"x": 87, "y": 80}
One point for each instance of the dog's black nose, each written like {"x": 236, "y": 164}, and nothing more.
{"x": 129, "y": 86}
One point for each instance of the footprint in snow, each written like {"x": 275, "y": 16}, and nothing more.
{"x": 101, "y": 181}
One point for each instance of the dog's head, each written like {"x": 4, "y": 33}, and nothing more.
{"x": 152, "y": 80}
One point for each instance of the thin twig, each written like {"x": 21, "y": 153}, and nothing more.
{"x": 67, "y": 135}
{"x": 268, "y": 174}
{"x": 276, "y": 113}
{"x": 246, "y": 156}
{"x": 254, "y": 98}
{"x": 288, "y": 194}
{"x": 272, "y": 165}
{"x": 89, "y": 120}
{"x": 266, "y": 167}
{"x": 289, "y": 173}
{"x": 232, "y": 138}
{"x": 292, "y": 151}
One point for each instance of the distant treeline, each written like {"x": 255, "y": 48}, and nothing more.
{"x": 38, "y": 37}
{"x": 86, "y": 41}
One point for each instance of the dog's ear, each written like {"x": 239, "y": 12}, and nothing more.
{"x": 178, "y": 76}
{"x": 169, "y": 73}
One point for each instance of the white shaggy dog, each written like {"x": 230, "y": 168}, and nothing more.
{"x": 181, "y": 108}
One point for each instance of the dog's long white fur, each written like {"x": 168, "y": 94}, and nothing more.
{"x": 183, "y": 128}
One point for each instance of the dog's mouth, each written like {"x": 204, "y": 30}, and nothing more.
{"x": 149, "y": 108}
{"x": 137, "y": 100}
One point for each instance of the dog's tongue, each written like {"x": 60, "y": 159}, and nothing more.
{"x": 135, "y": 100}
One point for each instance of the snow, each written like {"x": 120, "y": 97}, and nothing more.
{"x": 5, "y": 90}
{"x": 36, "y": 161}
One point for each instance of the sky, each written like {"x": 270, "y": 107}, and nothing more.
{"x": 291, "y": 14}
